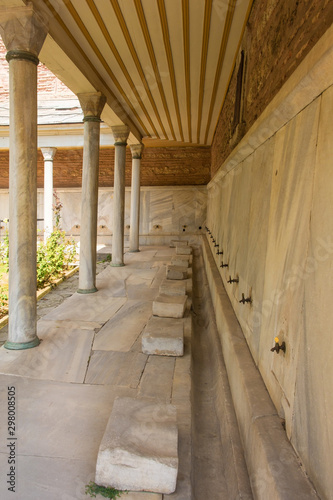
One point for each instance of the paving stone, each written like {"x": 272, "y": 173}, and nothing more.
{"x": 182, "y": 250}
{"x": 139, "y": 449}
{"x": 170, "y": 287}
{"x": 167, "y": 306}
{"x": 142, "y": 495}
{"x": 157, "y": 379}
{"x": 93, "y": 307}
{"x": 175, "y": 243}
{"x": 123, "y": 369}
{"x": 62, "y": 355}
{"x": 121, "y": 332}
{"x": 164, "y": 337}
{"x": 176, "y": 272}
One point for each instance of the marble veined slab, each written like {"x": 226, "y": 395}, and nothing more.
{"x": 123, "y": 369}
{"x": 91, "y": 307}
{"x": 61, "y": 356}
{"x": 143, "y": 277}
{"x": 121, "y": 332}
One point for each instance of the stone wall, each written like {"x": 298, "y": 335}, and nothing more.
{"x": 165, "y": 213}
{"x": 269, "y": 208}
{"x": 278, "y": 36}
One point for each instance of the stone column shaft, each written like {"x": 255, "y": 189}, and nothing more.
{"x": 48, "y": 155}
{"x": 92, "y": 105}
{"x": 120, "y": 134}
{"x": 136, "y": 150}
{"x": 23, "y": 31}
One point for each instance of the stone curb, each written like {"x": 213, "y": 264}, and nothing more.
{"x": 274, "y": 468}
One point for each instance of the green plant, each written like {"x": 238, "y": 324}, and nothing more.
{"x": 3, "y": 300}
{"x": 94, "y": 489}
{"x": 53, "y": 257}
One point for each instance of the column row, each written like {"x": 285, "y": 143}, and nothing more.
{"x": 23, "y": 31}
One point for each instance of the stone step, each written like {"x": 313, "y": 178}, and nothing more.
{"x": 176, "y": 272}
{"x": 170, "y": 287}
{"x": 167, "y": 306}
{"x": 139, "y": 449}
{"x": 163, "y": 337}
{"x": 174, "y": 243}
{"x": 181, "y": 260}
{"x": 182, "y": 250}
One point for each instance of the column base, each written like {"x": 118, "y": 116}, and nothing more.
{"x": 133, "y": 251}
{"x": 18, "y": 346}
{"x": 113, "y": 264}
{"x": 85, "y": 291}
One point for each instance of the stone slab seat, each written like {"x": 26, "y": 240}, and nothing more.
{"x": 170, "y": 287}
{"x": 138, "y": 451}
{"x": 164, "y": 337}
{"x": 167, "y": 306}
{"x": 176, "y": 272}
{"x": 183, "y": 250}
{"x": 181, "y": 260}
{"x": 174, "y": 243}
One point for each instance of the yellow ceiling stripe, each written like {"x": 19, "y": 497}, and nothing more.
{"x": 115, "y": 52}
{"x": 224, "y": 42}
{"x": 124, "y": 116}
{"x": 204, "y": 51}
{"x": 107, "y": 68}
{"x": 127, "y": 36}
{"x": 145, "y": 32}
{"x": 223, "y": 48}
{"x": 166, "y": 38}
{"x": 186, "y": 42}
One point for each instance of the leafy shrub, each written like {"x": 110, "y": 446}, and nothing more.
{"x": 53, "y": 257}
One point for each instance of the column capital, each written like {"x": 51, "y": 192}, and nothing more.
{"x": 120, "y": 134}
{"x": 23, "y": 30}
{"x": 92, "y": 104}
{"x": 136, "y": 150}
{"x": 48, "y": 153}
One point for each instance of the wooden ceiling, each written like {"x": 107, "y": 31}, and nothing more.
{"x": 164, "y": 65}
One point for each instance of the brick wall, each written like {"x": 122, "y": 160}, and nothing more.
{"x": 49, "y": 86}
{"x": 159, "y": 167}
{"x": 278, "y": 36}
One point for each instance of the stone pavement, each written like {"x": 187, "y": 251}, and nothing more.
{"x": 90, "y": 354}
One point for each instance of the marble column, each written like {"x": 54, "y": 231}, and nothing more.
{"x": 136, "y": 150}
{"x": 92, "y": 106}
{"x": 120, "y": 134}
{"x": 23, "y": 31}
{"x": 48, "y": 155}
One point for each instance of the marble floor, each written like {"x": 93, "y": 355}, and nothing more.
{"x": 90, "y": 353}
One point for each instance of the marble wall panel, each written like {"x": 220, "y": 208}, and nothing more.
{"x": 161, "y": 208}
{"x": 168, "y": 208}
{"x": 260, "y": 188}
{"x": 312, "y": 430}
{"x": 288, "y": 235}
